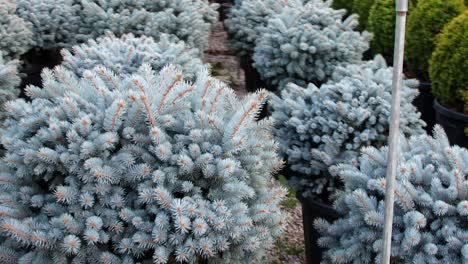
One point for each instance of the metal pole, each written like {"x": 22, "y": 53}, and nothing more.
{"x": 401, "y": 9}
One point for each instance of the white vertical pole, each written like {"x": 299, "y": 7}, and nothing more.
{"x": 401, "y": 9}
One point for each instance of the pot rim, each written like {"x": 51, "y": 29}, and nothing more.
{"x": 313, "y": 201}
{"x": 450, "y": 113}
{"x": 425, "y": 86}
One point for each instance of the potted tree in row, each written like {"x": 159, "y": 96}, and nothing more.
{"x": 321, "y": 127}
{"x": 447, "y": 70}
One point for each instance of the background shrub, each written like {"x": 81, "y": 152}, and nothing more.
{"x": 246, "y": 18}
{"x": 189, "y": 20}
{"x": 15, "y": 33}
{"x": 343, "y": 4}
{"x": 424, "y": 23}
{"x": 381, "y": 22}
{"x": 362, "y": 9}
{"x": 55, "y": 23}
{"x": 9, "y": 82}
{"x": 448, "y": 65}
{"x": 302, "y": 45}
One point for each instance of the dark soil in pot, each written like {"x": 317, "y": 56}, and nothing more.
{"x": 34, "y": 62}
{"x": 312, "y": 209}
{"x": 424, "y": 103}
{"x": 454, "y": 123}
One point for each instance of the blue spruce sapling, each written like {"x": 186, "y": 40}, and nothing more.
{"x": 100, "y": 17}
{"x": 56, "y": 23}
{"x": 16, "y": 35}
{"x": 431, "y": 205}
{"x": 247, "y": 17}
{"x": 147, "y": 167}
{"x": 189, "y": 20}
{"x": 303, "y": 45}
{"x": 318, "y": 128}
{"x": 125, "y": 55}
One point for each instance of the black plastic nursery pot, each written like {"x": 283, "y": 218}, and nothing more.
{"x": 454, "y": 123}
{"x": 424, "y": 103}
{"x": 311, "y": 210}
{"x": 34, "y": 62}
{"x": 253, "y": 82}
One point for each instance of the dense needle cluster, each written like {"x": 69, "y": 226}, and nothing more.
{"x": 55, "y": 23}
{"x": 247, "y": 17}
{"x": 318, "y": 128}
{"x": 448, "y": 65}
{"x": 305, "y": 44}
{"x": 431, "y": 205}
{"x": 116, "y": 169}
{"x": 9, "y": 82}
{"x": 125, "y": 55}
{"x": 189, "y": 20}
{"x": 16, "y": 34}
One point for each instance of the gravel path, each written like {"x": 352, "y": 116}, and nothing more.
{"x": 225, "y": 66}
{"x": 290, "y": 248}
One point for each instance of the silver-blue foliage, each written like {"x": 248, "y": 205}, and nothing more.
{"x": 63, "y": 23}
{"x": 431, "y": 205}
{"x": 124, "y": 169}
{"x": 16, "y": 36}
{"x": 125, "y": 55}
{"x": 189, "y": 20}
{"x": 56, "y": 23}
{"x": 9, "y": 82}
{"x": 306, "y": 44}
{"x": 247, "y": 17}
{"x": 318, "y": 128}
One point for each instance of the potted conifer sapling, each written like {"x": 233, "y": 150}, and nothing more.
{"x": 141, "y": 168}
{"x": 243, "y": 25}
{"x": 318, "y": 128}
{"x": 431, "y": 205}
{"x": 425, "y": 21}
{"x": 305, "y": 45}
{"x": 447, "y": 71}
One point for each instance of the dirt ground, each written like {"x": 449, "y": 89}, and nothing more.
{"x": 225, "y": 66}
